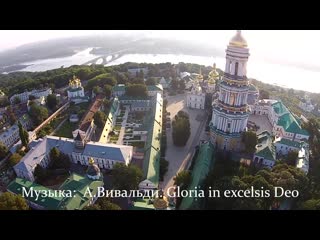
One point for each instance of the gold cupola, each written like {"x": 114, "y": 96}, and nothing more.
{"x": 238, "y": 40}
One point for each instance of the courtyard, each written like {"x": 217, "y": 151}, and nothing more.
{"x": 179, "y": 158}
{"x": 262, "y": 122}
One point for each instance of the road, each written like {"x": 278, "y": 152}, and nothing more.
{"x": 179, "y": 157}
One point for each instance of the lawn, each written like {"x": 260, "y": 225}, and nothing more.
{"x": 137, "y": 144}
{"x": 66, "y": 129}
{"x": 114, "y": 138}
{"x": 117, "y": 128}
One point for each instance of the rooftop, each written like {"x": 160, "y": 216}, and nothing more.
{"x": 290, "y": 143}
{"x": 290, "y": 124}
{"x": 265, "y": 147}
{"x": 85, "y": 123}
{"x": 151, "y": 163}
{"x": 279, "y": 108}
{"x": 77, "y": 184}
{"x": 43, "y": 146}
{"x": 200, "y": 171}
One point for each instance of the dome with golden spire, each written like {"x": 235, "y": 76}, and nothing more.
{"x": 161, "y": 203}
{"x": 93, "y": 171}
{"x": 213, "y": 75}
{"x": 199, "y": 76}
{"x": 238, "y": 40}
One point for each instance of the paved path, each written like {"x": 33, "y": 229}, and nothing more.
{"x": 58, "y": 127}
{"x": 262, "y": 121}
{"x": 123, "y": 126}
{"x": 179, "y": 157}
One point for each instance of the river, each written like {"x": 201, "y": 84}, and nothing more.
{"x": 281, "y": 75}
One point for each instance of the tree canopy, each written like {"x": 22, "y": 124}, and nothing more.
{"x": 151, "y": 81}
{"x": 181, "y": 129}
{"x": 52, "y": 101}
{"x": 136, "y": 90}
{"x": 14, "y": 159}
{"x": 58, "y": 159}
{"x": 24, "y": 136}
{"x": 3, "y": 150}
{"x": 250, "y": 141}
{"x": 99, "y": 119}
{"x": 10, "y": 201}
{"x": 38, "y": 113}
{"x": 182, "y": 179}
{"x": 126, "y": 177}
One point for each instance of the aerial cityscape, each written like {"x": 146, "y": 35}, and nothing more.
{"x": 103, "y": 128}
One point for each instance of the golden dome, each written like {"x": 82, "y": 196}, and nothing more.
{"x": 91, "y": 161}
{"x": 213, "y": 74}
{"x": 238, "y": 40}
{"x": 161, "y": 203}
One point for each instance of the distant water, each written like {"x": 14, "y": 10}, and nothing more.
{"x": 53, "y": 63}
{"x": 281, "y": 75}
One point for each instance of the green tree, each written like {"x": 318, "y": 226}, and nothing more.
{"x": 52, "y": 101}
{"x": 182, "y": 179}
{"x": 83, "y": 73}
{"x": 181, "y": 129}
{"x": 136, "y": 90}
{"x": 291, "y": 158}
{"x": 10, "y": 201}
{"x": 174, "y": 84}
{"x": 264, "y": 94}
{"x": 58, "y": 159}
{"x": 38, "y": 113}
{"x": 96, "y": 90}
{"x": 106, "y": 104}
{"x": 24, "y": 136}
{"x": 126, "y": 177}
{"x": 12, "y": 116}
{"x": 151, "y": 81}
{"x": 311, "y": 204}
{"x": 40, "y": 173}
{"x": 3, "y": 150}
{"x": 105, "y": 204}
{"x": 107, "y": 89}
{"x": 14, "y": 159}
{"x": 99, "y": 119}
{"x": 182, "y": 85}
{"x": 250, "y": 141}
{"x": 92, "y": 207}
{"x": 164, "y": 164}
{"x": 54, "y": 154}
{"x": 16, "y": 100}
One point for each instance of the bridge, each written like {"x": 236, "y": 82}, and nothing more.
{"x": 114, "y": 56}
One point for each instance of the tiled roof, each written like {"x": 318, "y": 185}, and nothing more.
{"x": 151, "y": 164}
{"x": 119, "y": 88}
{"x": 279, "y": 108}
{"x": 77, "y": 184}
{"x": 85, "y": 123}
{"x": 42, "y": 147}
{"x": 290, "y": 143}
{"x": 49, "y": 203}
{"x": 108, "y": 151}
{"x": 265, "y": 147}
{"x": 290, "y": 124}
{"x": 200, "y": 171}
{"x": 157, "y": 87}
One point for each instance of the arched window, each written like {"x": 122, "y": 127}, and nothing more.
{"x": 230, "y": 65}
{"x": 236, "y": 69}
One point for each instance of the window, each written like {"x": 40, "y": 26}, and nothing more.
{"x": 236, "y": 69}
{"x": 230, "y": 64}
